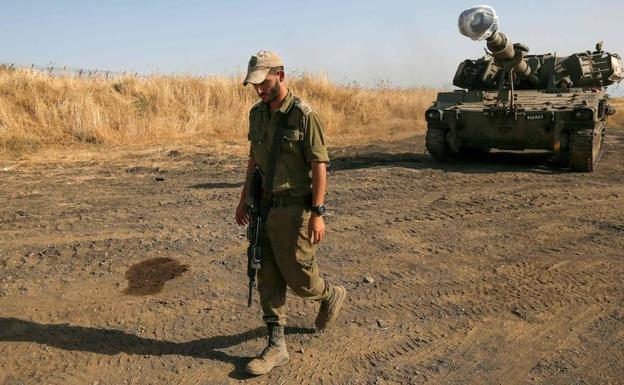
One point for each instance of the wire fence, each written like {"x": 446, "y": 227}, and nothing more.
{"x": 54, "y": 70}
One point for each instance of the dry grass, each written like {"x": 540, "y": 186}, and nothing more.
{"x": 617, "y": 120}
{"x": 37, "y": 110}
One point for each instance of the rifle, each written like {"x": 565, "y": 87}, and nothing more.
{"x": 258, "y": 215}
{"x": 254, "y": 230}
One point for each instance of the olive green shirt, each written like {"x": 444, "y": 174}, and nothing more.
{"x": 303, "y": 142}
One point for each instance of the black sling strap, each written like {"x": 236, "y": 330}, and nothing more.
{"x": 275, "y": 153}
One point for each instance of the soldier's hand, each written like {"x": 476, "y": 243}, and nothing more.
{"x": 242, "y": 216}
{"x": 316, "y": 228}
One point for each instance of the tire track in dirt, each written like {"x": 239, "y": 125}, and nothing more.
{"x": 456, "y": 252}
{"x": 408, "y": 345}
{"x": 516, "y": 282}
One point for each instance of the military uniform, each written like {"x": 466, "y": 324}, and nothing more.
{"x": 288, "y": 256}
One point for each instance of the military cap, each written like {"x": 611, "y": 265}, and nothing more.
{"x": 259, "y": 66}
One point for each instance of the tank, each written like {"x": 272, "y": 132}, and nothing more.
{"x": 512, "y": 100}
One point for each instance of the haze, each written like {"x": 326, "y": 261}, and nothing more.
{"x": 405, "y": 43}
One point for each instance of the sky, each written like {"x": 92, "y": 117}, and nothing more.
{"x": 405, "y": 43}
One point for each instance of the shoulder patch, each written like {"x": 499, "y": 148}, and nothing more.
{"x": 303, "y": 106}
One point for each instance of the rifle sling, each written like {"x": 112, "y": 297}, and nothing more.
{"x": 275, "y": 153}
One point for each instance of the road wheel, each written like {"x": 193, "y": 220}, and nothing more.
{"x": 585, "y": 149}
{"x": 436, "y": 144}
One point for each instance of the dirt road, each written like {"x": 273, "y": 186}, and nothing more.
{"x": 507, "y": 270}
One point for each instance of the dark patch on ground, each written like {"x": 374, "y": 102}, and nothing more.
{"x": 149, "y": 277}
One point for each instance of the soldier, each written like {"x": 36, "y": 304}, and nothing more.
{"x": 294, "y": 224}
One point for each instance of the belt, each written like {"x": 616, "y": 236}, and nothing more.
{"x": 290, "y": 200}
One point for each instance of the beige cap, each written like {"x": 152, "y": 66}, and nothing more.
{"x": 259, "y": 66}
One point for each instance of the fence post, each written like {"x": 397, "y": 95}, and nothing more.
{"x": 63, "y": 70}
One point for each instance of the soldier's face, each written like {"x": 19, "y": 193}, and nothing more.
{"x": 270, "y": 88}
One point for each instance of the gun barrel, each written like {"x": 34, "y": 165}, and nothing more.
{"x": 503, "y": 49}
{"x": 250, "y": 293}
{"x": 481, "y": 22}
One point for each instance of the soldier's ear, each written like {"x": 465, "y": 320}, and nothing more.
{"x": 281, "y": 75}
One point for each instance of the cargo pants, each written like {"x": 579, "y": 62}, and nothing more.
{"x": 288, "y": 260}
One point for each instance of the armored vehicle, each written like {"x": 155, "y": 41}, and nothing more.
{"x": 511, "y": 100}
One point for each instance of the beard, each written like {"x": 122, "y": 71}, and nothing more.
{"x": 274, "y": 93}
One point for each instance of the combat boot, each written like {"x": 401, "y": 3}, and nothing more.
{"x": 330, "y": 307}
{"x": 274, "y": 354}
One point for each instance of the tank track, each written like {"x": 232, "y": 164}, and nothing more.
{"x": 436, "y": 145}
{"x": 586, "y": 149}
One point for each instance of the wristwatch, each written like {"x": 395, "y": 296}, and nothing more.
{"x": 320, "y": 210}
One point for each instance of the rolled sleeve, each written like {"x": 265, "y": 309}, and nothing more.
{"x": 314, "y": 140}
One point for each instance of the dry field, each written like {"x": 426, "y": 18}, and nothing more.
{"x": 618, "y": 119}
{"x": 37, "y": 110}
{"x": 120, "y": 263}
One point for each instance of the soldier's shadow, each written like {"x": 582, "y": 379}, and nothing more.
{"x": 110, "y": 341}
